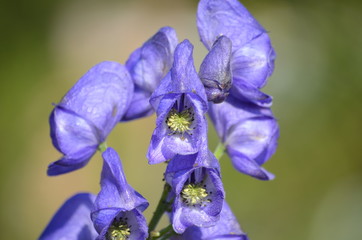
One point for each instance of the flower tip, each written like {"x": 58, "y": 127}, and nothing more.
{"x": 55, "y": 169}
{"x": 268, "y": 176}
{"x": 68, "y": 164}
{"x": 216, "y": 95}
{"x": 183, "y": 50}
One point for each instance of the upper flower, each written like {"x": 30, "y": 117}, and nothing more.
{"x": 180, "y": 103}
{"x": 252, "y": 60}
{"x": 226, "y": 228}
{"x": 117, "y": 214}
{"x": 87, "y": 113}
{"x": 248, "y": 132}
{"x": 72, "y": 221}
{"x": 147, "y": 66}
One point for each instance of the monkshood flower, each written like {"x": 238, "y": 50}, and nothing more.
{"x": 215, "y": 70}
{"x": 197, "y": 190}
{"x": 225, "y": 229}
{"x": 72, "y": 220}
{"x": 87, "y": 113}
{"x": 180, "y": 103}
{"x": 248, "y": 132}
{"x": 118, "y": 207}
{"x": 252, "y": 60}
{"x": 147, "y": 66}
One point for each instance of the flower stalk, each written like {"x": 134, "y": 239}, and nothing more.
{"x": 102, "y": 147}
{"x": 161, "y": 208}
{"x": 219, "y": 151}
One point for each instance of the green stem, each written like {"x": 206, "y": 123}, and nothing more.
{"x": 167, "y": 235}
{"x": 167, "y": 229}
{"x": 102, "y": 147}
{"x": 163, "y": 234}
{"x": 162, "y": 206}
{"x": 219, "y": 151}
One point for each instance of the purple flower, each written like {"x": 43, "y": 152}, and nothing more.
{"x": 252, "y": 60}
{"x": 226, "y": 228}
{"x": 118, "y": 207}
{"x": 180, "y": 103}
{"x": 72, "y": 221}
{"x": 147, "y": 66}
{"x": 197, "y": 190}
{"x": 248, "y": 132}
{"x": 215, "y": 71}
{"x": 87, "y": 113}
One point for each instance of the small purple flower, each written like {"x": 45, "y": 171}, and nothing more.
{"x": 252, "y": 60}
{"x": 87, "y": 113}
{"x": 147, "y": 66}
{"x": 180, "y": 103}
{"x": 72, "y": 220}
{"x": 248, "y": 132}
{"x": 118, "y": 207}
{"x": 197, "y": 190}
{"x": 226, "y": 228}
{"x": 215, "y": 71}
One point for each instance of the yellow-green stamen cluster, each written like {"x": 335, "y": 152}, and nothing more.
{"x": 179, "y": 122}
{"x": 119, "y": 230}
{"x": 194, "y": 194}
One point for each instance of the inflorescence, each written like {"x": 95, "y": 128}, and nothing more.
{"x": 160, "y": 77}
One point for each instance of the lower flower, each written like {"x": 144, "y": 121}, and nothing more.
{"x": 198, "y": 195}
{"x": 226, "y": 228}
{"x": 117, "y": 214}
{"x": 72, "y": 221}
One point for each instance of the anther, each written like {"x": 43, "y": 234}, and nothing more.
{"x": 179, "y": 122}
{"x": 194, "y": 194}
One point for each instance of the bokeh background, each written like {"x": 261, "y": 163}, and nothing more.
{"x": 46, "y": 46}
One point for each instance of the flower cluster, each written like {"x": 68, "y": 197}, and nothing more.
{"x": 160, "y": 77}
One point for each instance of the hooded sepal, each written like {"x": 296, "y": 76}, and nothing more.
{"x": 215, "y": 70}
{"x": 117, "y": 199}
{"x": 252, "y": 60}
{"x": 229, "y": 18}
{"x": 182, "y": 79}
{"x": 87, "y": 113}
{"x": 147, "y": 66}
{"x": 115, "y": 190}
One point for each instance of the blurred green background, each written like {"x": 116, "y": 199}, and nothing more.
{"x": 317, "y": 85}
